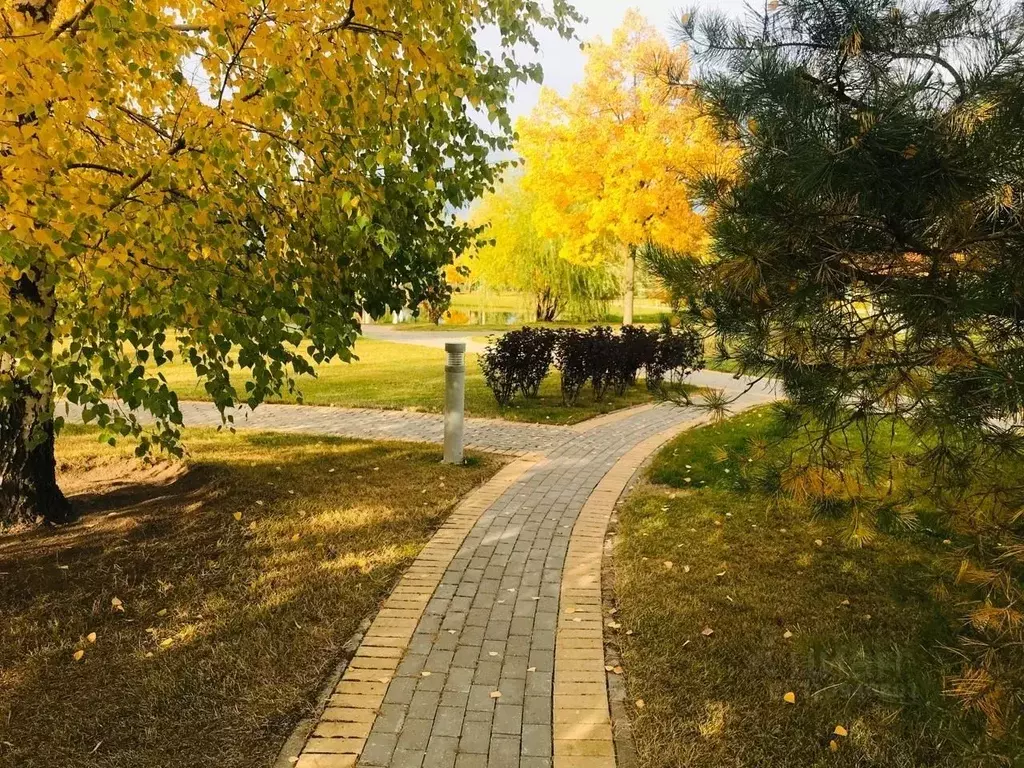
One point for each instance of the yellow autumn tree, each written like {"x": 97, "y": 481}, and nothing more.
{"x": 513, "y": 255}
{"x": 229, "y": 183}
{"x": 609, "y": 163}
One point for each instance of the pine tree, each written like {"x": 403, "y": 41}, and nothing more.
{"x": 868, "y": 253}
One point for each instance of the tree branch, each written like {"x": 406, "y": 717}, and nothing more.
{"x": 73, "y": 21}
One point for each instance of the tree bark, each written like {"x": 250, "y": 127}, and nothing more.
{"x": 28, "y": 467}
{"x": 628, "y": 280}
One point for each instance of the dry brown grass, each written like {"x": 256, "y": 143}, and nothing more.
{"x": 226, "y": 627}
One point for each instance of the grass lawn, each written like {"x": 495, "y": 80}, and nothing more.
{"x": 220, "y": 593}
{"x": 407, "y": 377}
{"x": 853, "y": 632}
{"x": 500, "y": 309}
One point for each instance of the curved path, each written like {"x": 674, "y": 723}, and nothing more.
{"x": 489, "y": 653}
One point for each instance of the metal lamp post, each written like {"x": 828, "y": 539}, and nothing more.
{"x": 454, "y": 401}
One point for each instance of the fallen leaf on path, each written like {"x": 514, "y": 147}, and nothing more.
{"x": 495, "y": 694}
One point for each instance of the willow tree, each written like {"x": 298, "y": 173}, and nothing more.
{"x": 606, "y": 162}
{"x": 515, "y": 255}
{"x": 868, "y": 255}
{"x": 228, "y": 184}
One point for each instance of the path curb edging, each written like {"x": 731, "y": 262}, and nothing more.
{"x": 582, "y": 724}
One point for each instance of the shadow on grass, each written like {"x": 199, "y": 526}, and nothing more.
{"x": 212, "y": 633}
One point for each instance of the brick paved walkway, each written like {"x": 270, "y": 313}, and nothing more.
{"x": 489, "y": 652}
{"x": 482, "y": 434}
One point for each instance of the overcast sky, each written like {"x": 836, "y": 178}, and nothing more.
{"x": 563, "y": 60}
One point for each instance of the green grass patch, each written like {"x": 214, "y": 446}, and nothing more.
{"x": 223, "y": 629}
{"x": 855, "y": 633}
{"x": 407, "y": 377}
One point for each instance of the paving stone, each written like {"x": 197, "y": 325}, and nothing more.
{"x": 476, "y": 738}
{"x": 448, "y": 721}
{"x": 415, "y": 734}
{"x": 504, "y": 752}
{"x": 379, "y": 748}
{"x": 508, "y": 719}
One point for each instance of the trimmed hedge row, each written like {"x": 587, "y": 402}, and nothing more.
{"x": 518, "y": 361}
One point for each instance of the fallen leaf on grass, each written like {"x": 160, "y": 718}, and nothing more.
{"x": 116, "y": 604}
{"x": 787, "y": 634}
{"x": 237, "y": 515}
{"x": 668, "y": 565}
{"x": 91, "y": 637}
{"x": 77, "y": 655}
{"x": 707, "y": 631}
{"x": 640, "y": 704}
{"x": 840, "y": 731}
{"x": 789, "y": 698}
{"x": 833, "y": 745}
